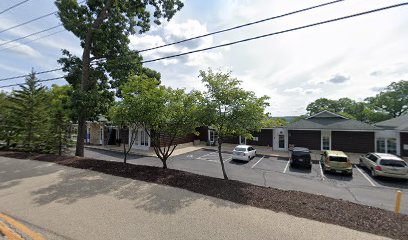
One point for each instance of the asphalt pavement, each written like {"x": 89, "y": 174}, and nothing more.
{"x": 67, "y": 203}
{"x": 276, "y": 172}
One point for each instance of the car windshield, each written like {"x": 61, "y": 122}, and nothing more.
{"x": 239, "y": 149}
{"x": 393, "y": 163}
{"x": 338, "y": 159}
{"x": 301, "y": 154}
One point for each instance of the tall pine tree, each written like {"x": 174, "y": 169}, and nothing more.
{"x": 29, "y": 114}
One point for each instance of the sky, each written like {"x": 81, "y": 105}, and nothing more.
{"x": 353, "y": 58}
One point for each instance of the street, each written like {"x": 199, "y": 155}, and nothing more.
{"x": 67, "y": 203}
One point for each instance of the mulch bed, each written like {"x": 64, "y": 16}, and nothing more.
{"x": 324, "y": 209}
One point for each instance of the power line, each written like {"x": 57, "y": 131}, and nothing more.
{"x": 243, "y": 25}
{"x": 32, "y": 34}
{"x": 33, "y": 40}
{"x": 279, "y": 32}
{"x": 45, "y": 80}
{"x": 32, "y": 20}
{"x": 15, "y": 5}
{"x": 254, "y": 38}
{"x": 37, "y": 73}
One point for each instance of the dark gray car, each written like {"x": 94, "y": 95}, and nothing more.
{"x": 300, "y": 157}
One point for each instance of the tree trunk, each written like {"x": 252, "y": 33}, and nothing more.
{"x": 80, "y": 137}
{"x": 86, "y": 60}
{"x": 224, "y": 173}
{"x": 125, "y": 153}
{"x": 164, "y": 161}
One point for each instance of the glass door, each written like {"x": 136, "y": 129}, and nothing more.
{"x": 326, "y": 140}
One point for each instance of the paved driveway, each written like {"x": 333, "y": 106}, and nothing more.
{"x": 276, "y": 172}
{"x": 67, "y": 203}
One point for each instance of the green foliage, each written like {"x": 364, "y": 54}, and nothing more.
{"x": 161, "y": 111}
{"x": 229, "y": 109}
{"x": 59, "y": 125}
{"x": 8, "y": 131}
{"x": 104, "y": 27}
{"x": 393, "y": 100}
{"x": 28, "y": 108}
{"x": 270, "y": 122}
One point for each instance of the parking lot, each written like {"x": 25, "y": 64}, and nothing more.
{"x": 276, "y": 172}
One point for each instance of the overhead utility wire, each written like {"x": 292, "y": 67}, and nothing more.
{"x": 32, "y": 34}
{"x": 243, "y": 25}
{"x": 185, "y": 40}
{"x": 37, "y": 73}
{"x": 15, "y": 5}
{"x": 33, "y": 40}
{"x": 217, "y": 32}
{"x": 262, "y": 36}
{"x": 32, "y": 20}
{"x": 45, "y": 80}
{"x": 279, "y": 32}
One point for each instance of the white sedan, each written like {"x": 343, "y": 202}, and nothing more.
{"x": 243, "y": 152}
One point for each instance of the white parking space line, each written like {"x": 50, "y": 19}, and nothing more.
{"x": 365, "y": 176}
{"x": 321, "y": 170}
{"x": 286, "y": 168}
{"x": 257, "y": 162}
{"x": 200, "y": 157}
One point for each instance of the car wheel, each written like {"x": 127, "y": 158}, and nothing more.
{"x": 361, "y": 164}
{"x": 373, "y": 173}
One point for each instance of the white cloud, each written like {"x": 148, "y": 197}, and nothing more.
{"x": 299, "y": 90}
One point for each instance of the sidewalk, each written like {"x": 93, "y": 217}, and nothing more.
{"x": 65, "y": 203}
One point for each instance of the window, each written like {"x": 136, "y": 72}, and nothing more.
{"x": 281, "y": 141}
{"x": 144, "y": 138}
{"x": 381, "y": 145}
{"x": 213, "y": 136}
{"x": 256, "y": 139}
{"x": 326, "y": 142}
{"x": 386, "y": 145}
{"x": 372, "y": 158}
{"x": 392, "y": 145}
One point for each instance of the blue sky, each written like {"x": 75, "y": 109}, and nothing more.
{"x": 354, "y": 58}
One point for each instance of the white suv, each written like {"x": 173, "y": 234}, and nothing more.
{"x": 385, "y": 164}
{"x": 243, "y": 152}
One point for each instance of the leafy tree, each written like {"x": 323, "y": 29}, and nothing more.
{"x": 60, "y": 112}
{"x": 104, "y": 26}
{"x": 164, "y": 113}
{"x": 121, "y": 116}
{"x": 393, "y": 100}
{"x": 270, "y": 122}
{"x": 349, "y": 108}
{"x": 7, "y": 129}
{"x": 229, "y": 109}
{"x": 29, "y": 114}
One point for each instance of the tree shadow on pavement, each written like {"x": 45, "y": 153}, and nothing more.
{"x": 150, "y": 197}
{"x": 13, "y": 171}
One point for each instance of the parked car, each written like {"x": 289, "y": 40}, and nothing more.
{"x": 385, "y": 164}
{"x": 300, "y": 157}
{"x": 243, "y": 152}
{"x": 336, "y": 161}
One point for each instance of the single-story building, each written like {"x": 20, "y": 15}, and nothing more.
{"x": 330, "y": 131}
{"x": 394, "y": 136}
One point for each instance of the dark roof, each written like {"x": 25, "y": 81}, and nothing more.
{"x": 399, "y": 123}
{"x": 330, "y": 121}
